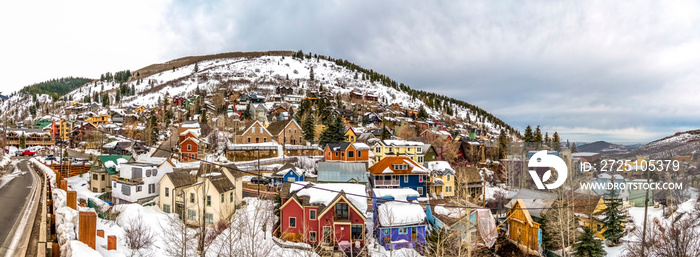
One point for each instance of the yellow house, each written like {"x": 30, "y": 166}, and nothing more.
{"x": 410, "y": 149}
{"x": 442, "y": 179}
{"x": 99, "y": 119}
{"x": 590, "y": 212}
{"x": 350, "y": 136}
{"x": 140, "y": 109}
{"x": 213, "y": 196}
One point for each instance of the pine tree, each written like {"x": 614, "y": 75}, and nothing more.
{"x": 309, "y": 129}
{"x": 203, "y": 119}
{"x": 118, "y": 97}
{"x": 538, "y": 135}
{"x": 422, "y": 114}
{"x": 612, "y": 223}
{"x": 546, "y": 139}
{"x": 502, "y": 145}
{"x": 105, "y": 100}
{"x": 335, "y": 132}
{"x": 556, "y": 142}
{"x": 248, "y": 112}
{"x": 528, "y": 137}
{"x": 196, "y": 67}
{"x": 568, "y": 146}
{"x": 573, "y": 148}
{"x": 588, "y": 245}
{"x": 311, "y": 73}
{"x": 385, "y": 133}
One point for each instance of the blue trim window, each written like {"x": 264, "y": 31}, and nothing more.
{"x": 403, "y": 231}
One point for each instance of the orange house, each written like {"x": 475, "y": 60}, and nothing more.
{"x": 346, "y": 152}
{"x": 189, "y": 149}
{"x": 522, "y": 230}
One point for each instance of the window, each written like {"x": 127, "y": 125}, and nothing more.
{"x": 209, "y": 218}
{"x": 386, "y": 232}
{"x": 351, "y": 154}
{"x": 342, "y": 154}
{"x": 359, "y": 154}
{"x": 420, "y": 190}
{"x": 403, "y": 231}
{"x": 94, "y": 190}
{"x": 336, "y": 154}
{"x": 598, "y": 227}
{"x": 191, "y": 214}
{"x": 448, "y": 189}
{"x": 166, "y": 208}
{"x": 103, "y": 190}
{"x": 138, "y": 189}
{"x": 312, "y": 236}
{"x": 448, "y": 178}
{"x": 154, "y": 172}
{"x": 292, "y": 222}
{"x": 189, "y": 147}
{"x": 193, "y": 156}
{"x": 231, "y": 197}
{"x": 222, "y": 198}
{"x": 405, "y": 178}
{"x": 148, "y": 173}
{"x": 191, "y": 197}
{"x": 248, "y": 139}
{"x": 300, "y": 139}
{"x": 264, "y": 139}
{"x": 356, "y": 232}
{"x": 257, "y": 140}
{"x": 208, "y": 200}
{"x": 420, "y": 158}
{"x": 312, "y": 214}
{"x": 167, "y": 192}
{"x": 152, "y": 188}
{"x": 341, "y": 211}
{"x": 378, "y": 149}
{"x": 291, "y": 179}
{"x": 261, "y": 129}
{"x": 94, "y": 176}
{"x": 419, "y": 150}
{"x": 103, "y": 177}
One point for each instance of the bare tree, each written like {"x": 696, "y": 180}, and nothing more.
{"x": 678, "y": 237}
{"x": 138, "y": 237}
{"x": 178, "y": 238}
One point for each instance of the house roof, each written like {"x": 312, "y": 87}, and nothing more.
{"x": 537, "y": 200}
{"x": 325, "y": 194}
{"x": 342, "y": 172}
{"x": 395, "y": 213}
{"x": 180, "y": 178}
{"x": 340, "y": 146}
{"x": 221, "y": 183}
{"x": 387, "y": 166}
{"x": 114, "y": 158}
{"x": 277, "y": 127}
{"x": 440, "y": 168}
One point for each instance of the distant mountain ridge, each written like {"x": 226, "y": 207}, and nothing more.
{"x": 603, "y": 148}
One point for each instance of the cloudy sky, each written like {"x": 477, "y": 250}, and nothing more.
{"x": 610, "y": 70}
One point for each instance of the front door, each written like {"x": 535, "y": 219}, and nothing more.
{"x": 413, "y": 234}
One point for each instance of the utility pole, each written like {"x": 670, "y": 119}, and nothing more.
{"x": 259, "y": 172}
{"x": 646, "y": 207}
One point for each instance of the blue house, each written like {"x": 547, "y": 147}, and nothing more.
{"x": 399, "y": 172}
{"x": 399, "y": 220}
{"x": 287, "y": 173}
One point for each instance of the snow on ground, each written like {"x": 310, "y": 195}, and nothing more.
{"x": 4, "y": 180}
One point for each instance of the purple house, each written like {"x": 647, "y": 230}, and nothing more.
{"x": 399, "y": 221}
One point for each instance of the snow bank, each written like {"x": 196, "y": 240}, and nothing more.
{"x": 78, "y": 249}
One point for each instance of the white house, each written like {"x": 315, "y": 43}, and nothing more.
{"x": 137, "y": 182}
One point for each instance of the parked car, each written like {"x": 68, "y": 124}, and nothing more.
{"x": 25, "y": 153}
{"x": 50, "y": 158}
{"x": 257, "y": 180}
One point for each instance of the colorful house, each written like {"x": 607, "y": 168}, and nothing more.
{"x": 590, "y": 210}
{"x": 442, "y": 179}
{"x": 329, "y": 215}
{"x": 399, "y": 172}
{"x": 102, "y": 170}
{"x": 399, "y": 219}
{"x": 522, "y": 230}
{"x": 287, "y": 173}
{"x": 350, "y": 136}
{"x": 346, "y": 152}
{"x": 411, "y": 149}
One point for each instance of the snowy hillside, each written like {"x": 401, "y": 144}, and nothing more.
{"x": 263, "y": 74}
{"x": 682, "y": 143}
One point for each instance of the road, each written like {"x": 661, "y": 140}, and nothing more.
{"x": 13, "y": 196}
{"x": 168, "y": 144}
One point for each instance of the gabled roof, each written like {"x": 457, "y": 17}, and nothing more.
{"x": 386, "y": 166}
{"x": 221, "y": 183}
{"x": 277, "y": 127}
{"x": 114, "y": 159}
{"x": 340, "y": 146}
{"x": 520, "y": 205}
{"x": 180, "y": 178}
{"x": 324, "y": 195}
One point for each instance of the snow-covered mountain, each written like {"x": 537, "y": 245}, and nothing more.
{"x": 263, "y": 74}
{"x": 679, "y": 144}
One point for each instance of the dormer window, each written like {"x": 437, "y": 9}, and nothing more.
{"x": 400, "y": 166}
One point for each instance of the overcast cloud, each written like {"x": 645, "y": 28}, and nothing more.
{"x": 611, "y": 70}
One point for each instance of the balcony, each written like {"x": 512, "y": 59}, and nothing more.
{"x": 127, "y": 180}
{"x": 392, "y": 182}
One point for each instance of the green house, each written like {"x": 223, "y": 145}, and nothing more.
{"x": 102, "y": 170}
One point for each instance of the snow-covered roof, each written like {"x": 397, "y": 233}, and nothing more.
{"x": 326, "y": 193}
{"x": 400, "y": 214}
{"x": 393, "y": 142}
{"x": 361, "y": 146}
{"x": 400, "y": 194}
{"x": 440, "y": 168}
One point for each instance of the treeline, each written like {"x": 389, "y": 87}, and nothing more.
{"x": 119, "y": 76}
{"x": 55, "y": 87}
{"x": 432, "y": 100}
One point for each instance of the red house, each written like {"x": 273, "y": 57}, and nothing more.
{"x": 347, "y": 152}
{"x": 323, "y": 214}
{"x": 189, "y": 149}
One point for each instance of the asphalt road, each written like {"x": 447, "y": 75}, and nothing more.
{"x": 12, "y": 198}
{"x": 167, "y": 145}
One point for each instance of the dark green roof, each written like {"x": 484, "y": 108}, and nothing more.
{"x": 113, "y": 158}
